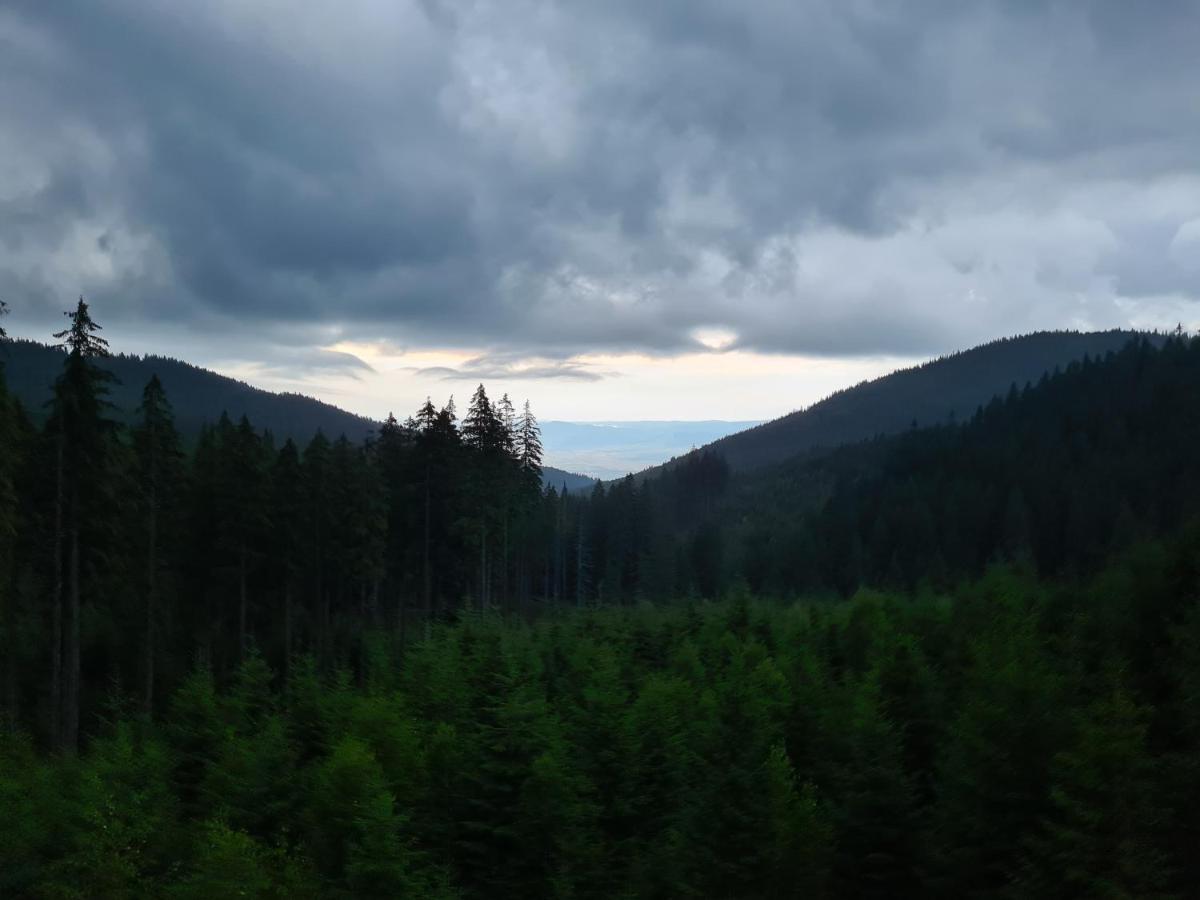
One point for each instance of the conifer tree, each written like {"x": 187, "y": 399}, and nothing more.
{"x": 10, "y": 455}
{"x": 393, "y": 457}
{"x": 247, "y": 521}
{"x": 506, "y": 418}
{"x": 159, "y": 462}
{"x": 426, "y": 416}
{"x": 81, "y": 429}
{"x": 318, "y": 490}
{"x": 529, "y": 446}
{"x": 427, "y": 422}
{"x": 481, "y": 433}
{"x": 288, "y": 512}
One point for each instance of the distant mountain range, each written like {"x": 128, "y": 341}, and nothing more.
{"x": 950, "y": 387}
{"x": 946, "y": 388}
{"x": 611, "y": 449}
{"x": 199, "y": 396}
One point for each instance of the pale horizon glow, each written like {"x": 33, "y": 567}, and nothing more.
{"x": 731, "y": 385}
{"x": 690, "y": 387}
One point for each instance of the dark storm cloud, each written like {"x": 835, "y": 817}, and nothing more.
{"x": 824, "y": 177}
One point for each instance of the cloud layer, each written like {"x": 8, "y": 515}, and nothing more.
{"x": 543, "y": 180}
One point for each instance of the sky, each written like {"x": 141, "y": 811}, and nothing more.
{"x": 679, "y": 209}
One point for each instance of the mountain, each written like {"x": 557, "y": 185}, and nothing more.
{"x": 569, "y": 482}
{"x": 199, "y": 396}
{"x": 1059, "y": 477}
{"x": 945, "y": 389}
{"x": 610, "y": 449}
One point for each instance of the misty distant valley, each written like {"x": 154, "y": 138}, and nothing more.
{"x": 611, "y": 450}
{"x": 552, "y": 450}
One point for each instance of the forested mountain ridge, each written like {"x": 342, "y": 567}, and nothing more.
{"x": 962, "y": 660}
{"x": 1061, "y": 474}
{"x": 944, "y": 389}
{"x": 200, "y": 396}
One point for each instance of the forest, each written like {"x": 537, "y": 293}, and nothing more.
{"x": 960, "y": 660}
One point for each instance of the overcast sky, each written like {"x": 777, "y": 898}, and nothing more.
{"x": 621, "y": 209}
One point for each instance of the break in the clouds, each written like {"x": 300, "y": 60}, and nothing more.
{"x": 552, "y": 180}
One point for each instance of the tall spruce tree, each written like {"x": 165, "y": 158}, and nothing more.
{"x": 246, "y": 523}
{"x": 159, "y": 471}
{"x": 393, "y": 459}
{"x": 481, "y": 434}
{"x": 427, "y": 420}
{"x": 318, "y": 491}
{"x": 479, "y": 426}
{"x": 82, "y": 433}
{"x": 288, "y": 520}
{"x": 9, "y": 456}
{"x": 529, "y": 446}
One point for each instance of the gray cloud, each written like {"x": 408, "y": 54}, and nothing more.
{"x": 483, "y": 368}
{"x": 549, "y": 179}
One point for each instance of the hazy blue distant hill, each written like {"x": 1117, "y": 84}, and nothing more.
{"x": 951, "y": 387}
{"x": 572, "y": 481}
{"x": 199, "y": 396}
{"x": 611, "y": 449}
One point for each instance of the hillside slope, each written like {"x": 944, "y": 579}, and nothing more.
{"x": 199, "y": 396}
{"x": 951, "y": 387}
{"x": 1059, "y": 477}
{"x": 1062, "y": 476}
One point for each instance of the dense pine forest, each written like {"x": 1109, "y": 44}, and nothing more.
{"x": 961, "y": 660}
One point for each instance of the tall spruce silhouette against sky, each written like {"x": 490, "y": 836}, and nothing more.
{"x": 81, "y": 441}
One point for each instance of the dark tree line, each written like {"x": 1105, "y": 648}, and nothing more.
{"x": 281, "y": 671}
{"x": 1013, "y": 739}
{"x": 1057, "y": 476}
{"x": 127, "y": 559}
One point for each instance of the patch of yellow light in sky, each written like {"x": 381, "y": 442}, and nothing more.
{"x": 714, "y": 338}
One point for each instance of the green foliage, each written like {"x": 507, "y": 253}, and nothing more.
{"x": 121, "y": 819}
{"x": 33, "y": 814}
{"x": 887, "y": 746}
{"x": 225, "y": 863}
{"x": 398, "y": 668}
{"x": 1103, "y": 835}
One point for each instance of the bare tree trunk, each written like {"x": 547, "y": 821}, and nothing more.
{"x": 556, "y": 551}
{"x": 56, "y": 609}
{"x": 483, "y": 569}
{"x": 206, "y": 632}
{"x": 287, "y": 625}
{"x": 327, "y": 624}
{"x": 579, "y": 565}
{"x": 9, "y": 708}
{"x": 504, "y": 597}
{"x": 560, "y": 591}
{"x": 402, "y": 621}
{"x": 428, "y": 573}
{"x": 242, "y": 604}
{"x": 151, "y": 599}
{"x": 71, "y": 694}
